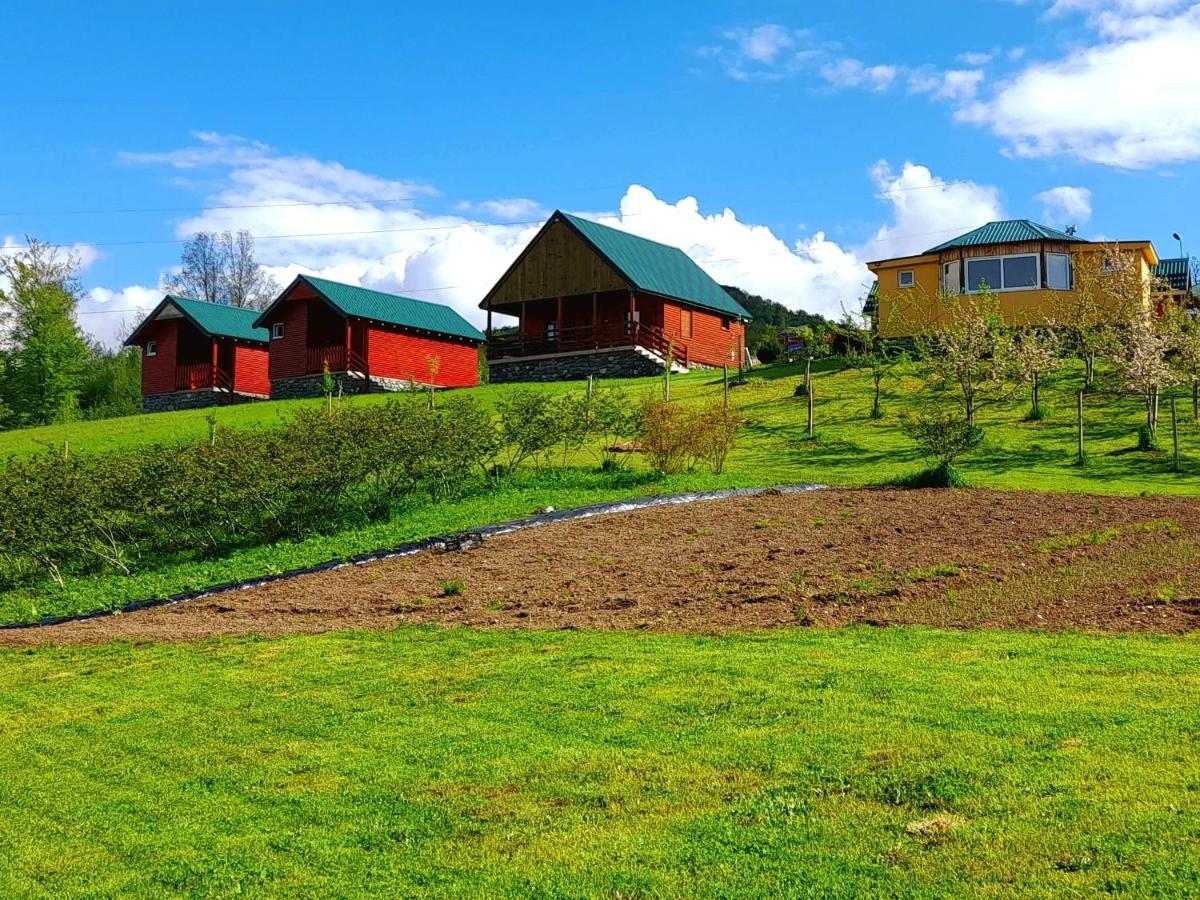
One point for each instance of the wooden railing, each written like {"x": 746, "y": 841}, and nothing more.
{"x": 588, "y": 337}
{"x": 198, "y": 376}
{"x": 317, "y": 358}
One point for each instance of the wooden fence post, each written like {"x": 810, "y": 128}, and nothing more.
{"x": 810, "y": 412}
{"x": 1175, "y": 434}
{"x": 725, "y": 383}
{"x": 1079, "y": 423}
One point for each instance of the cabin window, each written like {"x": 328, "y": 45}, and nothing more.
{"x": 725, "y": 322}
{"x": 277, "y": 331}
{"x": 152, "y": 348}
{"x": 685, "y": 323}
{"x": 551, "y": 331}
{"x": 952, "y": 277}
{"x": 907, "y": 278}
{"x": 1002, "y": 273}
{"x": 1058, "y": 272}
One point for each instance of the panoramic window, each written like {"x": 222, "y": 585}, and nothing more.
{"x": 152, "y": 348}
{"x": 1058, "y": 271}
{"x": 906, "y": 278}
{"x": 1002, "y": 273}
{"x": 277, "y": 331}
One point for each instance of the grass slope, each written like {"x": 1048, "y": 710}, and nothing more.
{"x": 861, "y": 762}
{"x": 850, "y": 449}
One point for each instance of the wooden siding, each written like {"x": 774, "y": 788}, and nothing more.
{"x": 251, "y": 363}
{"x": 158, "y": 372}
{"x": 287, "y": 355}
{"x": 396, "y": 353}
{"x": 559, "y": 263}
{"x": 710, "y": 344}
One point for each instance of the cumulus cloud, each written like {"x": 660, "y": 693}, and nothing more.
{"x": 1127, "y": 100}
{"x": 455, "y": 259}
{"x": 1066, "y": 205}
{"x": 927, "y": 210}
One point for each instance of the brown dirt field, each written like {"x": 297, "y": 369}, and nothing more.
{"x": 825, "y": 558}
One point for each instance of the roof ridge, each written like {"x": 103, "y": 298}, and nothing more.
{"x": 359, "y": 287}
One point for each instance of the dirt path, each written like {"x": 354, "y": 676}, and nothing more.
{"x": 827, "y": 558}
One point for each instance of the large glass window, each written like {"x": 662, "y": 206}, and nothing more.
{"x": 983, "y": 273}
{"x": 1058, "y": 271}
{"x": 1002, "y": 273}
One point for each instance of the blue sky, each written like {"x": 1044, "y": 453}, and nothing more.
{"x": 781, "y": 144}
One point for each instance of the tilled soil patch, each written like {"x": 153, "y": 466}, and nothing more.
{"x": 824, "y": 558}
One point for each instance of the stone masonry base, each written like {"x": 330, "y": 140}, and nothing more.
{"x": 627, "y": 363}
{"x": 193, "y": 400}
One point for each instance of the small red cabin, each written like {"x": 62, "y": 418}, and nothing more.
{"x": 197, "y": 354}
{"x": 595, "y": 300}
{"x": 369, "y": 340}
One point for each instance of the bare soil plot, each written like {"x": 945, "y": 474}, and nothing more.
{"x": 826, "y": 558}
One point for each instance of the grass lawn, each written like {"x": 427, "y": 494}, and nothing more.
{"x": 852, "y": 762}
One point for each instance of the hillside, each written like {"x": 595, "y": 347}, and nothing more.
{"x": 770, "y": 313}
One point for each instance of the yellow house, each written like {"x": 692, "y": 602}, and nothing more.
{"x": 1031, "y": 272}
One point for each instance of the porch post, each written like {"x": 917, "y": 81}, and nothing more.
{"x": 632, "y": 312}
{"x": 521, "y": 328}
{"x": 489, "y": 324}
{"x": 558, "y": 324}
{"x": 595, "y": 323}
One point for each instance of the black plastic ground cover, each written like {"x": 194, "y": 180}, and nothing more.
{"x": 460, "y": 541}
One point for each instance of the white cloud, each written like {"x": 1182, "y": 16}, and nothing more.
{"x": 455, "y": 260}
{"x": 109, "y": 316}
{"x": 1126, "y": 101}
{"x": 1066, "y": 205}
{"x": 854, "y": 73}
{"x": 927, "y": 210}
{"x": 975, "y": 59}
{"x": 508, "y": 210}
{"x": 769, "y": 51}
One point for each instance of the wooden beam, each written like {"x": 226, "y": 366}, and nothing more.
{"x": 558, "y": 321}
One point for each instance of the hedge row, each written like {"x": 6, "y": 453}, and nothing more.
{"x": 324, "y": 469}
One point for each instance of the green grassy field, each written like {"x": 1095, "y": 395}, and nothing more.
{"x": 882, "y": 762}
{"x": 851, "y": 763}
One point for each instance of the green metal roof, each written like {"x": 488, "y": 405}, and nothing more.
{"x": 216, "y": 319}
{"x": 1006, "y": 232}
{"x": 392, "y": 309}
{"x": 1175, "y": 272}
{"x": 657, "y": 268}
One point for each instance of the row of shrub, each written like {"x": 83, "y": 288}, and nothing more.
{"x": 323, "y": 470}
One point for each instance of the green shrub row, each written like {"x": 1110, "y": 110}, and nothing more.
{"x": 323, "y": 470}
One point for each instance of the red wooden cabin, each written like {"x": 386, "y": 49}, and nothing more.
{"x": 196, "y": 353}
{"x": 369, "y": 340}
{"x": 590, "y": 299}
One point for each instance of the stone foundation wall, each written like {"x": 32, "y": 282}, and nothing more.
{"x": 602, "y": 364}
{"x": 198, "y": 399}
{"x": 312, "y": 386}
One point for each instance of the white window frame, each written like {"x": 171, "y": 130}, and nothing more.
{"x": 152, "y": 348}
{"x": 1070, "y": 273}
{"x": 912, "y": 278}
{"x": 277, "y": 331}
{"x": 1037, "y": 264}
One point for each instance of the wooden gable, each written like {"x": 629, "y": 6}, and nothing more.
{"x": 557, "y": 263}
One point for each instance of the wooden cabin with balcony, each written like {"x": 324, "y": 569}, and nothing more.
{"x": 369, "y": 341}
{"x": 197, "y": 354}
{"x": 593, "y": 300}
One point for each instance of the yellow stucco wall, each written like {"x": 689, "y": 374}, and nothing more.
{"x": 904, "y": 312}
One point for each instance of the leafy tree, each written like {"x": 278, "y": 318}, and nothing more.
{"x": 46, "y": 351}
{"x": 1037, "y": 355}
{"x": 968, "y": 351}
{"x": 220, "y": 267}
{"x": 112, "y": 383}
{"x": 866, "y": 349}
{"x": 942, "y": 438}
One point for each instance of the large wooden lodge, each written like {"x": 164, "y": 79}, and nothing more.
{"x": 593, "y": 300}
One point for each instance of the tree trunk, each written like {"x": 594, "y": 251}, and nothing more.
{"x": 1195, "y": 400}
{"x": 1089, "y": 369}
{"x": 875, "y": 403}
{"x": 970, "y": 410}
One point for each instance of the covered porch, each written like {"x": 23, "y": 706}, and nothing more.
{"x": 202, "y": 362}
{"x": 333, "y": 340}
{"x": 581, "y": 323}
